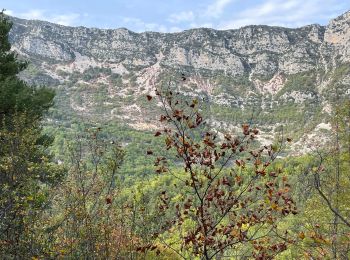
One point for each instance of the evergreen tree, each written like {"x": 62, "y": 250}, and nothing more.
{"x": 26, "y": 173}
{"x": 15, "y": 94}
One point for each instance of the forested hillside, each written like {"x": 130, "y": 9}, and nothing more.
{"x": 202, "y": 144}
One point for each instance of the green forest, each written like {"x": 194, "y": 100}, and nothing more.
{"x": 191, "y": 195}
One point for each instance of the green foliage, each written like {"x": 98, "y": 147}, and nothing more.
{"x": 26, "y": 172}
{"x": 116, "y": 79}
{"x": 233, "y": 86}
{"x": 9, "y": 65}
{"x": 95, "y": 72}
{"x": 322, "y": 184}
{"x": 16, "y": 95}
{"x": 26, "y": 178}
{"x": 301, "y": 82}
{"x": 84, "y": 215}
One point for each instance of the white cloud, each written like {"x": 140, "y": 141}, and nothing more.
{"x": 9, "y": 12}
{"x": 220, "y": 14}
{"x": 38, "y": 14}
{"x": 34, "y": 14}
{"x": 175, "y": 29}
{"x": 140, "y": 26}
{"x": 181, "y": 17}
{"x": 292, "y": 13}
{"x": 65, "y": 19}
{"x": 202, "y": 25}
{"x": 217, "y": 8}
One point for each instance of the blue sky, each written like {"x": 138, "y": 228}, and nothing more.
{"x": 177, "y": 15}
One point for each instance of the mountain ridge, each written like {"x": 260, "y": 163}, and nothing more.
{"x": 287, "y": 36}
{"x": 284, "y": 75}
{"x": 17, "y": 19}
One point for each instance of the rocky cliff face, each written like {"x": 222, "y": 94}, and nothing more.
{"x": 338, "y": 36}
{"x": 278, "y": 75}
{"x": 260, "y": 50}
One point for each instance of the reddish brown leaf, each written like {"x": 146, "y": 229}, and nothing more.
{"x": 245, "y": 129}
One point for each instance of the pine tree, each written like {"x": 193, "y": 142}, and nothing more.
{"x": 26, "y": 173}
{"x": 15, "y": 95}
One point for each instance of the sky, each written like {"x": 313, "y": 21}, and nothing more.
{"x": 177, "y": 15}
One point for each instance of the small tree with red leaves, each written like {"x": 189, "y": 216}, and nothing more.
{"x": 232, "y": 198}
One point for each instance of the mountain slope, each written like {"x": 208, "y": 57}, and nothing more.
{"x": 269, "y": 76}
